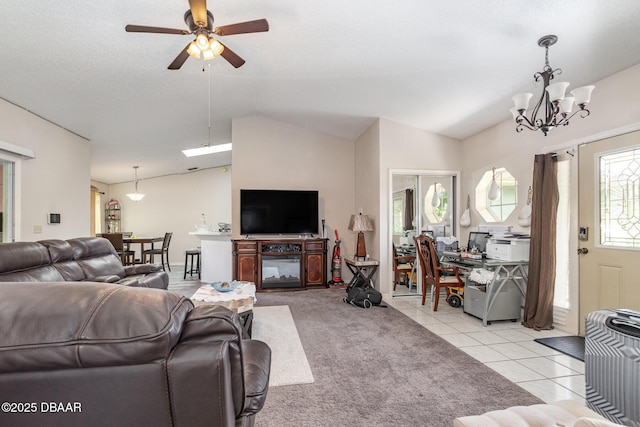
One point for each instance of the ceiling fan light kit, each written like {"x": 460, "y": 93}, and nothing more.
{"x": 557, "y": 106}
{"x": 200, "y": 23}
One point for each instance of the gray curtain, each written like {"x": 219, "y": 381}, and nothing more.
{"x": 408, "y": 209}
{"x": 538, "y": 307}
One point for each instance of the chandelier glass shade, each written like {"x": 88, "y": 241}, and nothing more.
{"x": 135, "y": 196}
{"x": 553, "y": 109}
{"x": 205, "y": 46}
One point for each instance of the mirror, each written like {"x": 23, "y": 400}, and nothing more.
{"x": 421, "y": 202}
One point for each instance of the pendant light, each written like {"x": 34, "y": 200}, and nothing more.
{"x": 135, "y": 196}
{"x": 435, "y": 200}
{"x": 494, "y": 188}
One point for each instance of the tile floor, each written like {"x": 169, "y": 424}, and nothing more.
{"x": 506, "y": 347}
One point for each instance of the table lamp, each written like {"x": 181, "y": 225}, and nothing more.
{"x": 360, "y": 223}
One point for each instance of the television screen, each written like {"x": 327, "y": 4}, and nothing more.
{"x": 278, "y": 212}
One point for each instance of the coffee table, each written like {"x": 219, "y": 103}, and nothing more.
{"x": 240, "y": 301}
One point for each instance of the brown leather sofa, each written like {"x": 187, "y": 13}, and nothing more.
{"x": 100, "y": 354}
{"x": 74, "y": 260}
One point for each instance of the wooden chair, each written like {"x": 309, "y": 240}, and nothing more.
{"x": 401, "y": 264}
{"x": 163, "y": 252}
{"x": 432, "y": 271}
{"x": 127, "y": 257}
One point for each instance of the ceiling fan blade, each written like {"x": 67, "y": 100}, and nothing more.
{"x": 232, "y": 57}
{"x": 199, "y": 12}
{"x": 257, "y": 26}
{"x": 182, "y": 56}
{"x": 145, "y": 29}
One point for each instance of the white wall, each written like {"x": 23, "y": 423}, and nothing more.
{"x": 403, "y": 147}
{"x": 614, "y": 104}
{"x": 56, "y": 181}
{"x": 272, "y": 155}
{"x": 174, "y": 203}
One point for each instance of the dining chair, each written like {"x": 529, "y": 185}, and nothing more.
{"x": 149, "y": 255}
{"x": 401, "y": 264}
{"x": 432, "y": 271}
{"x": 126, "y": 256}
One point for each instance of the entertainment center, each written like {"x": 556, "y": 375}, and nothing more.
{"x": 293, "y": 259}
{"x": 281, "y": 263}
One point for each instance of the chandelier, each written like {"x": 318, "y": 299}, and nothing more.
{"x": 135, "y": 196}
{"x": 557, "y": 106}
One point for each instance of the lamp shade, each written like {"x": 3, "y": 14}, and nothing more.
{"x": 360, "y": 223}
{"x": 583, "y": 94}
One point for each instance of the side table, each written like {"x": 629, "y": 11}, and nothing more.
{"x": 240, "y": 301}
{"x": 365, "y": 269}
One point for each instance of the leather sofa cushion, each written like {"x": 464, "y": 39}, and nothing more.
{"x": 87, "y": 325}
{"x": 95, "y": 257}
{"x": 26, "y": 262}
{"x": 61, "y": 255}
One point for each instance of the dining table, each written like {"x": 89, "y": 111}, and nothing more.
{"x": 142, "y": 241}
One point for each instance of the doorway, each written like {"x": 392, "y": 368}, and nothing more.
{"x": 609, "y": 221}
{"x": 422, "y": 201}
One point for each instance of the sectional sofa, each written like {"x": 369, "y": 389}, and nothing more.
{"x": 74, "y": 260}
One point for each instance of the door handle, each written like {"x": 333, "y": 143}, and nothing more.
{"x": 582, "y": 251}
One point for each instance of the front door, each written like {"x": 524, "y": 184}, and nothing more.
{"x": 609, "y": 220}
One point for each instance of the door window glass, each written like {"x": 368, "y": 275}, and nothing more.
{"x": 619, "y": 191}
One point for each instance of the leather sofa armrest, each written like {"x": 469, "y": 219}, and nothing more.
{"x": 257, "y": 368}
{"x": 131, "y": 270}
{"x": 208, "y": 322}
{"x": 201, "y": 384}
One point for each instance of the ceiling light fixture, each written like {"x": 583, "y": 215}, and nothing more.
{"x": 557, "y": 107}
{"x": 207, "y": 148}
{"x": 208, "y": 47}
{"x": 135, "y": 196}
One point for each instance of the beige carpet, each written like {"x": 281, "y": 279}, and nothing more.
{"x": 275, "y": 326}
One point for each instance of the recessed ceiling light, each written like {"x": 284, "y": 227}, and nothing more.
{"x": 208, "y": 149}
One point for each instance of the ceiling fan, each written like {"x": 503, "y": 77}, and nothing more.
{"x": 200, "y": 23}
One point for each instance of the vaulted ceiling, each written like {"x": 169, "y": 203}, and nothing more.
{"x": 446, "y": 66}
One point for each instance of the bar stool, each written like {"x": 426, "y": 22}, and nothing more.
{"x": 190, "y": 254}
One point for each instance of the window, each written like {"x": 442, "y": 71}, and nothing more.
{"x": 436, "y": 202}
{"x": 619, "y": 188}
{"x": 398, "y": 214}
{"x": 497, "y": 210}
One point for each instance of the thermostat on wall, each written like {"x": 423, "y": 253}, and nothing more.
{"x": 53, "y": 218}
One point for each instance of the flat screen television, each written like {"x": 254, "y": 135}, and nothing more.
{"x": 278, "y": 212}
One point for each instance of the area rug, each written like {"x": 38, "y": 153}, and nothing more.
{"x": 289, "y": 364}
{"x": 377, "y": 367}
{"x": 570, "y": 345}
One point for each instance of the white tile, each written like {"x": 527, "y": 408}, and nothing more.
{"x": 484, "y": 353}
{"x": 575, "y": 383}
{"x": 550, "y": 391}
{"x": 487, "y": 337}
{"x": 440, "y": 328}
{"x": 540, "y": 349}
{"x": 512, "y": 335}
{"x": 467, "y": 326}
{"x": 570, "y": 362}
{"x": 461, "y": 340}
{"x": 544, "y": 334}
{"x": 425, "y": 319}
{"x": 547, "y": 367}
{"x": 514, "y": 371}
{"x": 512, "y": 350}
